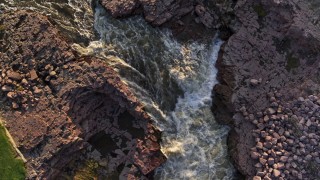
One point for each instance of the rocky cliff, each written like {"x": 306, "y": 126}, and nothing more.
{"x": 269, "y": 82}
{"x": 56, "y": 104}
{"x": 189, "y": 19}
{"x": 268, "y": 74}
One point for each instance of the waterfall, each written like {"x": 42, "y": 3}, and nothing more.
{"x": 157, "y": 68}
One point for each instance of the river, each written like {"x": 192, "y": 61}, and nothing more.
{"x": 174, "y": 81}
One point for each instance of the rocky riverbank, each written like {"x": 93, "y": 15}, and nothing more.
{"x": 268, "y": 93}
{"x": 188, "y": 19}
{"x": 270, "y": 61}
{"x": 269, "y": 88}
{"x": 55, "y": 104}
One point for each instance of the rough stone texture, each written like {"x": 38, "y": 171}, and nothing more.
{"x": 61, "y": 102}
{"x": 277, "y": 42}
{"x": 191, "y": 18}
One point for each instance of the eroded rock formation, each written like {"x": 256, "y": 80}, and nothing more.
{"x": 57, "y": 103}
{"x": 275, "y": 48}
{"x": 187, "y": 18}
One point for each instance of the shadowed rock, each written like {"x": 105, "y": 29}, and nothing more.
{"x": 64, "y": 101}
{"x": 277, "y": 41}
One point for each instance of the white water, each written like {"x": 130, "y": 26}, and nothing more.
{"x": 196, "y": 149}
{"x": 163, "y": 73}
{"x": 192, "y": 140}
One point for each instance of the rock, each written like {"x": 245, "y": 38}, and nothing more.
{"x": 6, "y": 88}
{"x": 103, "y": 162}
{"x": 205, "y": 16}
{"x": 15, "y": 105}
{"x": 14, "y": 76}
{"x": 267, "y": 145}
{"x": 308, "y": 123}
{"x": 262, "y": 161}
{"x": 258, "y": 165}
{"x": 33, "y": 75}
{"x": 254, "y": 82}
{"x": 69, "y": 115}
{"x": 271, "y": 161}
{"x": 256, "y": 178}
{"x": 276, "y": 173}
{"x": 11, "y": 95}
{"x": 255, "y": 155}
{"x": 284, "y": 159}
{"x": 261, "y": 174}
{"x": 301, "y": 99}
{"x": 120, "y": 8}
{"x": 276, "y": 135}
{"x": 280, "y": 166}
{"x": 52, "y": 73}
{"x": 271, "y": 111}
{"x": 259, "y": 145}
{"x": 37, "y": 90}
{"x": 268, "y": 138}
{"x": 308, "y": 157}
{"x": 293, "y": 164}
{"x": 24, "y": 81}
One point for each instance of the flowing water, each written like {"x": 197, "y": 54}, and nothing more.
{"x": 174, "y": 80}
{"x": 73, "y": 17}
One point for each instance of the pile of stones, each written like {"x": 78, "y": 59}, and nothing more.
{"x": 22, "y": 90}
{"x": 287, "y": 138}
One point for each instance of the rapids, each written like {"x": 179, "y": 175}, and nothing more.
{"x": 192, "y": 140}
{"x": 174, "y": 80}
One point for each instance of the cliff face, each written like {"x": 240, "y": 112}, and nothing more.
{"x": 270, "y": 60}
{"x": 57, "y": 103}
{"x": 189, "y": 19}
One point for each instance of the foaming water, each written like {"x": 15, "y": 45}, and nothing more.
{"x": 174, "y": 81}
{"x": 196, "y": 144}
{"x": 158, "y": 68}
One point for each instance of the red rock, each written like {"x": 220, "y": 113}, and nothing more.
{"x": 14, "y": 75}
{"x": 33, "y": 75}
{"x": 66, "y": 114}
